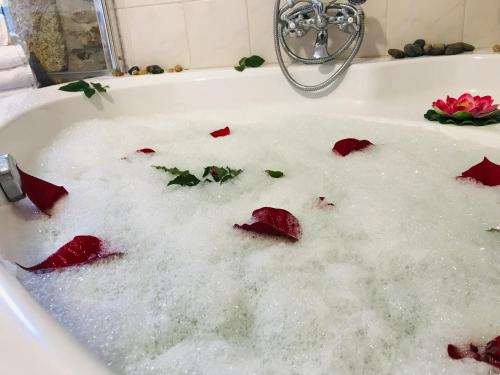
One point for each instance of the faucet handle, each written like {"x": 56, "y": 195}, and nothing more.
{"x": 357, "y": 2}
{"x": 10, "y": 180}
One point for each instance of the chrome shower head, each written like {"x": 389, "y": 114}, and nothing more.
{"x": 10, "y": 180}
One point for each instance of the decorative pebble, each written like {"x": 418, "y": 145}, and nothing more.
{"x": 427, "y": 48}
{"x": 171, "y": 70}
{"x": 468, "y": 47}
{"x": 496, "y": 48}
{"x": 413, "y": 50}
{"x": 133, "y": 70}
{"x": 454, "y": 49}
{"x": 118, "y": 73}
{"x": 155, "y": 69}
{"x": 178, "y": 68}
{"x": 142, "y": 72}
{"x": 396, "y": 53}
{"x": 419, "y": 42}
{"x": 437, "y": 49}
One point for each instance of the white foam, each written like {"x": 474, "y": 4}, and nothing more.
{"x": 380, "y": 284}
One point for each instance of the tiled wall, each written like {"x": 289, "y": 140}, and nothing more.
{"x": 211, "y": 33}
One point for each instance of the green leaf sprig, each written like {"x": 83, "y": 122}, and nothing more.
{"x": 275, "y": 174}
{"x": 88, "y": 89}
{"x": 432, "y": 115}
{"x": 253, "y": 61}
{"x": 186, "y": 178}
{"x": 221, "y": 174}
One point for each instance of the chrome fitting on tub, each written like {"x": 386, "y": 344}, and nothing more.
{"x": 296, "y": 18}
{"x": 10, "y": 180}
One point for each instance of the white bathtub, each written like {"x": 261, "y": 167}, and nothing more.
{"x": 32, "y": 342}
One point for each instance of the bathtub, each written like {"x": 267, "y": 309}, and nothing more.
{"x": 32, "y": 342}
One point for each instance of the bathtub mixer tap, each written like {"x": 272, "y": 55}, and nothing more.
{"x": 296, "y": 18}
{"x": 10, "y": 180}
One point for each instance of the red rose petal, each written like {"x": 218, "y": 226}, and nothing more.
{"x": 324, "y": 203}
{"x": 486, "y": 172}
{"x": 454, "y": 352}
{"x": 345, "y": 146}
{"x": 43, "y": 194}
{"x": 274, "y": 222}
{"x": 221, "y": 132}
{"x": 490, "y": 354}
{"x": 81, "y": 250}
{"x": 146, "y": 151}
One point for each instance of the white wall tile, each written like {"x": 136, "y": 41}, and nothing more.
{"x": 482, "y": 22}
{"x": 154, "y": 35}
{"x": 217, "y": 32}
{"x": 375, "y": 41}
{"x": 142, "y": 3}
{"x": 433, "y": 20}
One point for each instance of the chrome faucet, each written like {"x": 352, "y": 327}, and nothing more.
{"x": 296, "y": 18}
{"x": 10, "y": 180}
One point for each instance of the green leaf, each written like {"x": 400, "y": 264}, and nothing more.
{"x": 240, "y": 68}
{"x": 185, "y": 179}
{"x": 175, "y": 171}
{"x": 254, "y": 61}
{"x": 432, "y": 115}
{"x": 75, "y": 86}
{"x": 89, "y": 92}
{"x": 275, "y": 174}
{"x": 221, "y": 174}
{"x": 99, "y": 87}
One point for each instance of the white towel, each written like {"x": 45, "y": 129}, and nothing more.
{"x": 4, "y": 34}
{"x": 16, "y": 78}
{"x": 12, "y": 57}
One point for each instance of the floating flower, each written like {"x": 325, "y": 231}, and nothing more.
{"x": 486, "y": 172}
{"x": 221, "y": 132}
{"x": 490, "y": 353}
{"x": 43, "y": 194}
{"x": 81, "y": 250}
{"x": 274, "y": 222}
{"x": 466, "y": 107}
{"x": 345, "y": 146}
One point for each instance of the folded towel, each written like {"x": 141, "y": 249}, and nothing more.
{"x": 11, "y": 57}
{"x": 16, "y": 78}
{"x": 4, "y": 34}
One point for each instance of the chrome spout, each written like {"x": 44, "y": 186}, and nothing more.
{"x": 10, "y": 180}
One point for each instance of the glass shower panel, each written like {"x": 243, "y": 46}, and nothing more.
{"x": 66, "y": 39}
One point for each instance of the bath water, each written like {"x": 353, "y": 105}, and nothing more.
{"x": 380, "y": 284}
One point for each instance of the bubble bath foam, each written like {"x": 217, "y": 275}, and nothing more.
{"x": 379, "y": 284}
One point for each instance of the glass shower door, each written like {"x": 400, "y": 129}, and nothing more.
{"x": 66, "y": 39}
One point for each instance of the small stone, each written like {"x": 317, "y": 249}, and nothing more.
{"x": 427, "y": 48}
{"x": 142, "y": 72}
{"x": 396, "y": 53}
{"x": 439, "y": 45}
{"x": 170, "y": 70}
{"x": 437, "y": 49}
{"x": 454, "y": 49}
{"x": 419, "y": 42}
{"x": 133, "y": 70}
{"x": 178, "y": 68}
{"x": 118, "y": 73}
{"x": 413, "y": 50}
{"x": 468, "y": 47}
{"x": 496, "y": 48}
{"x": 155, "y": 69}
